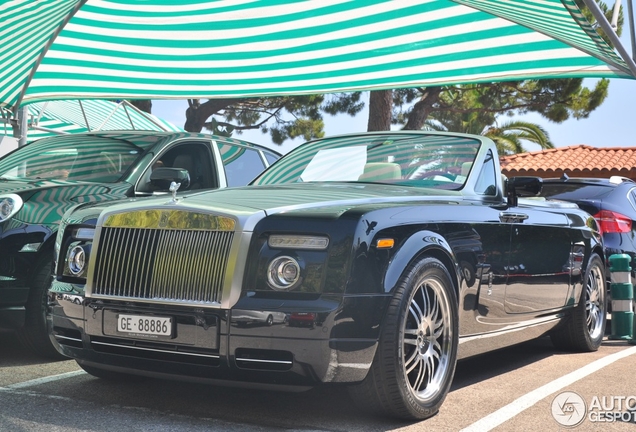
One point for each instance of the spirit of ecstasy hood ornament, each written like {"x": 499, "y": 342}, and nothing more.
{"x": 174, "y": 187}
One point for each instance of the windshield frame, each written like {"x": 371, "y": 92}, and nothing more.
{"x": 405, "y": 158}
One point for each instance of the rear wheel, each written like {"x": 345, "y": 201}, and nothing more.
{"x": 585, "y": 327}
{"x": 34, "y": 335}
{"x": 415, "y": 361}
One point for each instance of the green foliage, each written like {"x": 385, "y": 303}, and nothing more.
{"x": 509, "y": 136}
{"x": 282, "y": 117}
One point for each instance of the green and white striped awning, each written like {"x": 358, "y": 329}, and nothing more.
{"x": 169, "y": 49}
{"x": 74, "y": 116}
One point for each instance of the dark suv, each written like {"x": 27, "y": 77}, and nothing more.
{"x": 42, "y": 180}
{"x": 612, "y": 202}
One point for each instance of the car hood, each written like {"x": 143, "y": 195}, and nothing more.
{"x": 251, "y": 203}
{"x": 312, "y": 196}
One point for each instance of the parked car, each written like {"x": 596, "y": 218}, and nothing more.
{"x": 612, "y": 202}
{"x": 42, "y": 180}
{"x": 403, "y": 251}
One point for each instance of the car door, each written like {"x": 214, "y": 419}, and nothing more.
{"x": 540, "y": 260}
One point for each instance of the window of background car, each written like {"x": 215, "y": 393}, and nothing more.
{"x": 435, "y": 161}
{"x": 97, "y": 159}
{"x": 271, "y": 157}
{"x": 195, "y": 157}
{"x": 632, "y": 198}
{"x": 574, "y": 191}
{"x": 241, "y": 164}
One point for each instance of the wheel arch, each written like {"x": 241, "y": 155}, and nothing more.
{"x": 421, "y": 244}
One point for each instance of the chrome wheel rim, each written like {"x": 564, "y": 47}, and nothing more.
{"x": 426, "y": 342}
{"x": 595, "y": 303}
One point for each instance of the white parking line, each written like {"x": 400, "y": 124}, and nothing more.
{"x": 529, "y": 399}
{"x": 42, "y": 380}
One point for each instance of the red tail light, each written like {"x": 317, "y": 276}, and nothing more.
{"x": 612, "y": 222}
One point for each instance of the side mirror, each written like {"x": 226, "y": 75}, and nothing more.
{"x": 161, "y": 178}
{"x": 522, "y": 187}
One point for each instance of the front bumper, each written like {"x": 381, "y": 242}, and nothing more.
{"x": 207, "y": 345}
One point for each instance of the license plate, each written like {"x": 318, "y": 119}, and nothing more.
{"x": 144, "y": 325}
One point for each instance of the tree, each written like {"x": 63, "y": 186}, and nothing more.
{"x": 292, "y": 116}
{"x": 509, "y": 137}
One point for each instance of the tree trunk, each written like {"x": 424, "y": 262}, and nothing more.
{"x": 198, "y": 113}
{"x": 142, "y": 104}
{"x": 380, "y": 110}
{"x": 422, "y": 109}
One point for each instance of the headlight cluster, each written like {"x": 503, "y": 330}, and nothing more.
{"x": 284, "y": 272}
{"x": 9, "y": 205}
{"x": 78, "y": 252}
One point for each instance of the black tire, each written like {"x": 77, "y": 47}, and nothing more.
{"x": 584, "y": 329}
{"x": 34, "y": 335}
{"x": 414, "y": 364}
{"x": 110, "y": 375}
{"x": 270, "y": 320}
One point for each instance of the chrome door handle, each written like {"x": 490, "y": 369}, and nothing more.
{"x": 506, "y": 217}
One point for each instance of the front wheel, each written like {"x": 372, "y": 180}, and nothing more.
{"x": 415, "y": 360}
{"x": 584, "y": 329}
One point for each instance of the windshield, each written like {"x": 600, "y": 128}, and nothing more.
{"x": 73, "y": 157}
{"x": 412, "y": 159}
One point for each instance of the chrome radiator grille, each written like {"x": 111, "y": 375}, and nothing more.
{"x": 174, "y": 265}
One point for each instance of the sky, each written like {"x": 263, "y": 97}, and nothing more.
{"x": 613, "y": 124}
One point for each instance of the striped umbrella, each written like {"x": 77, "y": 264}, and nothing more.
{"x": 162, "y": 49}
{"x": 73, "y": 116}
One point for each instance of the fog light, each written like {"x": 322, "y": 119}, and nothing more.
{"x": 76, "y": 260}
{"x": 283, "y": 273}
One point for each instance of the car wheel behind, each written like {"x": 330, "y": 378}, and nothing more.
{"x": 34, "y": 335}
{"x": 584, "y": 329}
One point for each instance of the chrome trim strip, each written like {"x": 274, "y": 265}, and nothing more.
{"x": 156, "y": 350}
{"x": 67, "y": 338}
{"x": 287, "y": 362}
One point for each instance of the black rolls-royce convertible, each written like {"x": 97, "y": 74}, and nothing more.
{"x": 393, "y": 255}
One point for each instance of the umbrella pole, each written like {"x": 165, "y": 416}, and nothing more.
{"x": 22, "y": 126}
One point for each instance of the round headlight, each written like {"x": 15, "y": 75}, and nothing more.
{"x": 283, "y": 273}
{"x": 9, "y": 205}
{"x": 76, "y": 260}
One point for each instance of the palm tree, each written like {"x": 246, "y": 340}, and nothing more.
{"x": 508, "y": 137}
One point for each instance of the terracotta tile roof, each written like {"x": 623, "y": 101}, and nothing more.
{"x": 575, "y": 161}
